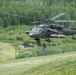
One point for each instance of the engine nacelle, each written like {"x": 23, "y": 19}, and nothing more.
{"x": 54, "y": 26}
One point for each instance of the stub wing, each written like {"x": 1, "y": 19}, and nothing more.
{"x": 57, "y": 36}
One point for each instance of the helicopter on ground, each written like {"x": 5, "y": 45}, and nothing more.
{"x": 47, "y": 31}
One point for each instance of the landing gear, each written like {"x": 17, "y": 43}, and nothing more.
{"x": 73, "y": 37}
{"x": 48, "y": 40}
{"x": 38, "y": 41}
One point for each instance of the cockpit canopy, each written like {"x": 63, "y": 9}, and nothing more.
{"x": 36, "y": 30}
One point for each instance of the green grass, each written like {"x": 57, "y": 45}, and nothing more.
{"x": 7, "y": 51}
{"x": 60, "y": 64}
{"x": 12, "y": 33}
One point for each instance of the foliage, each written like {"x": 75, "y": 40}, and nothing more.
{"x": 55, "y": 49}
{"x": 34, "y": 10}
{"x": 16, "y": 35}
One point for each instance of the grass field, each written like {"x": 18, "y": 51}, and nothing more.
{"x": 15, "y": 35}
{"x": 60, "y": 64}
{"x": 59, "y": 57}
{"x": 7, "y": 51}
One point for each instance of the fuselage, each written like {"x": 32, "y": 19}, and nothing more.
{"x": 45, "y": 31}
{"x": 68, "y": 31}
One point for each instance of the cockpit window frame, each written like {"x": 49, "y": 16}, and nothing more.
{"x": 36, "y": 30}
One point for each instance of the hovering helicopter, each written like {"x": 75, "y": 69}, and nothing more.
{"x": 48, "y": 31}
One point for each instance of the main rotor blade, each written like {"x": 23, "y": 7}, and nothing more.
{"x": 64, "y": 20}
{"x": 57, "y": 16}
{"x": 55, "y": 31}
{"x": 13, "y": 15}
{"x": 36, "y": 22}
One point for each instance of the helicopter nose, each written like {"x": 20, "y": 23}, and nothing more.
{"x": 33, "y": 34}
{"x": 30, "y": 34}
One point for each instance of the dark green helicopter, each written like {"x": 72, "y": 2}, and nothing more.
{"x": 47, "y": 31}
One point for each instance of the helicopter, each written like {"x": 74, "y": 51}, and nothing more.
{"x": 47, "y": 30}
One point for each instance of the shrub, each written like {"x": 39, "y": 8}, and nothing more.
{"x": 19, "y": 38}
{"x": 21, "y": 55}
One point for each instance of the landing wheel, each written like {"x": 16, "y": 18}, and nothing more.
{"x": 38, "y": 41}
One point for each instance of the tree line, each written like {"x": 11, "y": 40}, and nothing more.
{"x": 34, "y": 10}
